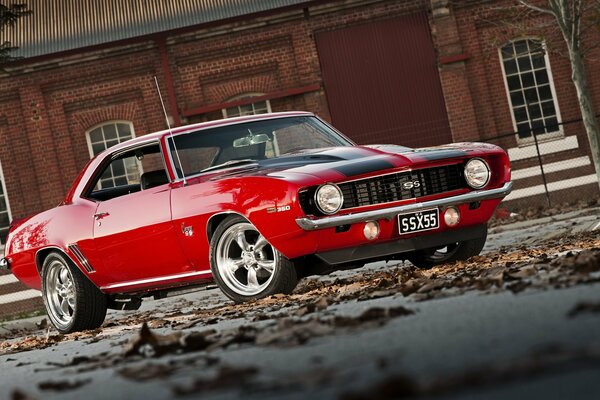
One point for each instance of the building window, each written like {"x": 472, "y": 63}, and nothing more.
{"x": 259, "y": 107}
{"x": 107, "y": 135}
{"x": 5, "y": 216}
{"x": 530, "y": 89}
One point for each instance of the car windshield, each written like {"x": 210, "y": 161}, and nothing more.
{"x": 249, "y": 142}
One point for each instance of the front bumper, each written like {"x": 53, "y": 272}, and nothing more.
{"x": 387, "y": 250}
{"x": 389, "y": 213}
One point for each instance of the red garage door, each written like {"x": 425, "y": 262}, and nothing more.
{"x": 382, "y": 82}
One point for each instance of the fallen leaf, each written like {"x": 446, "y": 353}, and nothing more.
{"x": 149, "y": 344}
{"x": 431, "y": 285}
{"x": 289, "y": 333}
{"x": 524, "y": 272}
{"x": 20, "y": 395}
{"x": 61, "y": 386}
{"x": 227, "y": 378}
{"x": 584, "y": 308}
{"x": 393, "y": 387}
{"x": 147, "y": 372}
{"x": 43, "y": 324}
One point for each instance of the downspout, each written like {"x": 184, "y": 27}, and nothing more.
{"x": 161, "y": 43}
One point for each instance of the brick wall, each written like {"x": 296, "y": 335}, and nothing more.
{"x": 47, "y": 106}
{"x": 482, "y": 30}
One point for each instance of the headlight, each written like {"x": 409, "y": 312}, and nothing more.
{"x": 329, "y": 199}
{"x": 477, "y": 173}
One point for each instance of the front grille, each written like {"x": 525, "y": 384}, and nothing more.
{"x": 389, "y": 188}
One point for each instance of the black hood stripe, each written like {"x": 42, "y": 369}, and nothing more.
{"x": 363, "y": 167}
{"x": 439, "y": 154}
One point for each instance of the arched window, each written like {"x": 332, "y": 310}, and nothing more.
{"x": 259, "y": 107}
{"x": 107, "y": 135}
{"x": 5, "y": 216}
{"x": 530, "y": 88}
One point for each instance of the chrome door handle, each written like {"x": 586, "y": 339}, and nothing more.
{"x": 101, "y": 215}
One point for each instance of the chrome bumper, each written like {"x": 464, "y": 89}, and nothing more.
{"x": 4, "y": 264}
{"x": 388, "y": 213}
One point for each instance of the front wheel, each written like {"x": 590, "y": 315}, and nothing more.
{"x": 73, "y": 302}
{"x": 459, "y": 251}
{"x": 245, "y": 266}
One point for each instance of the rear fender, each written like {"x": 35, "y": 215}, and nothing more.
{"x": 41, "y": 255}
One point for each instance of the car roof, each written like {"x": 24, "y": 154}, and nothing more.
{"x": 202, "y": 125}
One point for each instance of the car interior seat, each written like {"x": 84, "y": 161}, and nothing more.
{"x": 152, "y": 179}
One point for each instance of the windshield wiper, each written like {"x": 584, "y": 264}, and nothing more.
{"x": 230, "y": 163}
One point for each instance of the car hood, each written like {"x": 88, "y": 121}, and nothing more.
{"x": 337, "y": 164}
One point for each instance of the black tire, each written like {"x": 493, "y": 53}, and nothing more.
{"x": 460, "y": 251}
{"x": 283, "y": 279}
{"x": 89, "y": 303}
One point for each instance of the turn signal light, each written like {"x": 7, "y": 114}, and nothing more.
{"x": 451, "y": 216}
{"x": 371, "y": 230}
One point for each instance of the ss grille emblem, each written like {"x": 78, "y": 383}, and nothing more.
{"x": 411, "y": 185}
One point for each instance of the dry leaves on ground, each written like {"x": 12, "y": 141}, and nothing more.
{"x": 292, "y": 331}
{"x": 36, "y": 342}
{"x": 554, "y": 265}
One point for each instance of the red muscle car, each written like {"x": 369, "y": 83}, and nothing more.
{"x": 253, "y": 203}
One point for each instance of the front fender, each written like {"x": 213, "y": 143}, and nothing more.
{"x": 271, "y": 205}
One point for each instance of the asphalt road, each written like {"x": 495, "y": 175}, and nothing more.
{"x": 510, "y": 335}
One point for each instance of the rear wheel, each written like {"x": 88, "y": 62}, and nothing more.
{"x": 459, "y": 251}
{"x": 73, "y": 303}
{"x": 245, "y": 265}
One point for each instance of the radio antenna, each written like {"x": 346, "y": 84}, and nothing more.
{"x": 162, "y": 103}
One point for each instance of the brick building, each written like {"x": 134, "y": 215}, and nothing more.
{"x": 413, "y": 72}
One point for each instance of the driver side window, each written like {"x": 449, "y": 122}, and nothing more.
{"x": 135, "y": 170}
{"x": 120, "y": 172}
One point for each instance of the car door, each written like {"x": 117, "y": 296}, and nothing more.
{"x": 134, "y": 236}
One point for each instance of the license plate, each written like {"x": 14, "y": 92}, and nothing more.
{"x": 419, "y": 221}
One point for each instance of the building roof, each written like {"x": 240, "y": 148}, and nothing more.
{"x": 62, "y": 25}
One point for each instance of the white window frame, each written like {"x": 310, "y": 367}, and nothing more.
{"x": 246, "y": 96}
{"x": 105, "y": 123}
{"x": 3, "y": 183}
{"x": 559, "y": 134}
{"x": 115, "y": 122}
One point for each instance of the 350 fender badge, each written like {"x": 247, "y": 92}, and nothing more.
{"x": 272, "y": 210}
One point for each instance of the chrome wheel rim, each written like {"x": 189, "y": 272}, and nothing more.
{"x": 60, "y": 293}
{"x": 245, "y": 260}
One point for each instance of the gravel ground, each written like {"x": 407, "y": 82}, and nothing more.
{"x": 520, "y": 321}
